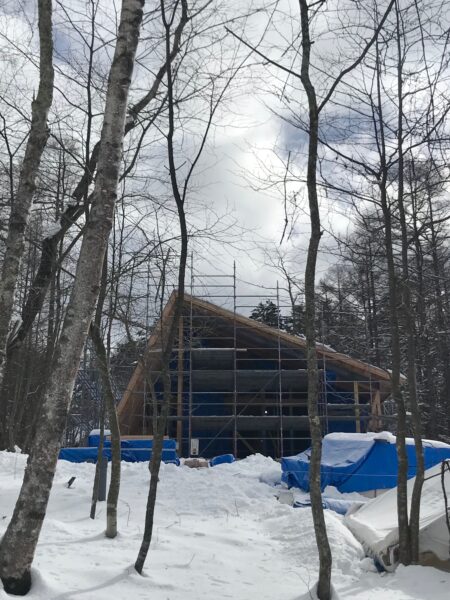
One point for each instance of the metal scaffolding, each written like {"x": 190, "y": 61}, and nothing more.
{"x": 240, "y": 389}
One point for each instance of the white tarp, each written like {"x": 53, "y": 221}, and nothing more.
{"x": 375, "y": 523}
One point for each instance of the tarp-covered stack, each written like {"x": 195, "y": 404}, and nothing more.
{"x": 359, "y": 462}
{"x": 132, "y": 450}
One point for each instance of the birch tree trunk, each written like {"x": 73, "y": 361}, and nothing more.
{"x": 22, "y": 202}
{"x": 18, "y": 545}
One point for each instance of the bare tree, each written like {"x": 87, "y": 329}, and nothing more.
{"x": 19, "y": 542}
{"x": 142, "y": 114}
{"x": 180, "y": 189}
{"x": 315, "y": 107}
{"x": 22, "y": 200}
{"x": 401, "y": 133}
{"x": 109, "y": 400}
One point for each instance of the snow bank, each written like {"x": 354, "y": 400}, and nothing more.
{"x": 219, "y": 533}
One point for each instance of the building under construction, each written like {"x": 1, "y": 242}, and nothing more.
{"x": 240, "y": 386}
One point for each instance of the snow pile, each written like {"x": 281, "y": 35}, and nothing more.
{"x": 219, "y": 533}
{"x": 294, "y": 529}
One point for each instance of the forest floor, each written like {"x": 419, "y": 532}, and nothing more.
{"x": 220, "y": 533}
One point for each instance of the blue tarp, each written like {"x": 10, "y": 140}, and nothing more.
{"x": 131, "y": 451}
{"x": 94, "y": 438}
{"x": 78, "y": 455}
{"x": 94, "y": 441}
{"x": 358, "y": 462}
{"x": 222, "y": 459}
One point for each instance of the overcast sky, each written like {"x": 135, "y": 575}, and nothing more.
{"x": 239, "y": 177}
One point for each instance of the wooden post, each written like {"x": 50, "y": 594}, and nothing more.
{"x": 357, "y": 411}
{"x": 375, "y": 406}
{"x": 180, "y": 386}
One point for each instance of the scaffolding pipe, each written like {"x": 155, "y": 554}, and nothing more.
{"x": 235, "y": 435}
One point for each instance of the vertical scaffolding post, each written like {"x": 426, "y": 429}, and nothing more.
{"x": 235, "y": 432}
{"x": 180, "y": 382}
{"x": 145, "y": 366}
{"x": 357, "y": 411}
{"x": 325, "y": 394}
{"x": 280, "y": 388}
{"x": 369, "y": 422}
{"x": 190, "y": 358}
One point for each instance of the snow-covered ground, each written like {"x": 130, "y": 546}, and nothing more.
{"x": 220, "y": 533}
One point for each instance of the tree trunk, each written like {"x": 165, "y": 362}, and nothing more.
{"x": 22, "y": 203}
{"x": 155, "y": 465}
{"x": 441, "y": 314}
{"x": 411, "y": 554}
{"x": 114, "y": 484}
{"x": 402, "y": 478}
{"x": 168, "y": 342}
{"x": 18, "y": 545}
{"x": 324, "y": 583}
{"x": 98, "y": 465}
{"x": 109, "y": 402}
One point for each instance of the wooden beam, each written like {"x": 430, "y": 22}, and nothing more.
{"x": 375, "y": 423}
{"x": 246, "y": 443}
{"x": 136, "y": 437}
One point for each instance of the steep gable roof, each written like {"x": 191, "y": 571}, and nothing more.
{"x": 340, "y": 359}
{"x": 323, "y": 350}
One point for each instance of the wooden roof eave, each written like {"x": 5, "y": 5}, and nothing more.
{"x": 323, "y": 351}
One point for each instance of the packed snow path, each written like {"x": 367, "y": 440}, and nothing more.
{"x": 220, "y": 533}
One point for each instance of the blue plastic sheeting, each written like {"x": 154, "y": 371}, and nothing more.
{"x": 222, "y": 459}
{"x": 358, "y": 463}
{"x": 94, "y": 441}
{"x": 79, "y": 455}
{"x": 338, "y": 506}
{"x": 94, "y": 438}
